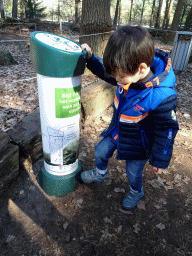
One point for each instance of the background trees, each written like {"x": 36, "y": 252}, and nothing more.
{"x": 33, "y": 10}
{"x": 14, "y": 9}
{"x": 176, "y": 20}
{"x": 188, "y": 23}
{"x": 166, "y": 14}
{"x": 2, "y": 9}
{"x": 117, "y": 14}
{"x": 77, "y": 11}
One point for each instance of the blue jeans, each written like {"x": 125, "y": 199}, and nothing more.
{"x": 105, "y": 149}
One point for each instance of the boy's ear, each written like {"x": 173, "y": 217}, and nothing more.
{"x": 142, "y": 68}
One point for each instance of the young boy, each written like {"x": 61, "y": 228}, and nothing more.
{"x": 144, "y": 123}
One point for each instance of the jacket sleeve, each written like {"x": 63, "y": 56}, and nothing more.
{"x": 165, "y": 127}
{"x": 95, "y": 65}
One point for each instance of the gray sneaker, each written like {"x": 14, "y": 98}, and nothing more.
{"x": 132, "y": 199}
{"x": 93, "y": 176}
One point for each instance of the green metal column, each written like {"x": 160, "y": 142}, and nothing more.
{"x": 59, "y": 63}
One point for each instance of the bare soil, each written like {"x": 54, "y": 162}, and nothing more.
{"x": 90, "y": 221}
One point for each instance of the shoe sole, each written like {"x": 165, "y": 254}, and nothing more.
{"x": 88, "y": 182}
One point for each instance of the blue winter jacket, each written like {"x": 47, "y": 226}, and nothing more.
{"x": 144, "y": 123}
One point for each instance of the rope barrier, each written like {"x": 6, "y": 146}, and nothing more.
{"x": 26, "y": 40}
{"x": 92, "y": 34}
{"x": 8, "y": 41}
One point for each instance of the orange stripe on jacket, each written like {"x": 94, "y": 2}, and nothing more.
{"x": 133, "y": 118}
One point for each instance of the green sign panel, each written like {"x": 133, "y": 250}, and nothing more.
{"x": 67, "y": 102}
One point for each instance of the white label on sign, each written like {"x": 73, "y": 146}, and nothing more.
{"x": 58, "y": 42}
{"x": 60, "y": 135}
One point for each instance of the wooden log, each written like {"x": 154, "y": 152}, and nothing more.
{"x": 4, "y": 138}
{"x": 9, "y": 165}
{"x": 96, "y": 98}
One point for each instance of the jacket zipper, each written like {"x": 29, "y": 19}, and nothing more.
{"x": 169, "y": 138}
{"x": 145, "y": 141}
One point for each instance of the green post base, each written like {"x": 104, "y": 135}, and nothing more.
{"x": 58, "y": 185}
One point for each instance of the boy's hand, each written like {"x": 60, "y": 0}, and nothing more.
{"x": 88, "y": 49}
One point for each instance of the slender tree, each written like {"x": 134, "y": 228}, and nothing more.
{"x": 141, "y": 20}
{"x": 95, "y": 19}
{"x": 14, "y": 9}
{"x": 58, "y": 11}
{"x": 165, "y": 13}
{"x": 131, "y": 8}
{"x": 169, "y": 13}
{"x": 77, "y": 11}
{"x": 2, "y": 10}
{"x": 185, "y": 7}
{"x": 117, "y": 11}
{"x": 152, "y": 13}
{"x": 120, "y": 11}
{"x": 158, "y": 17}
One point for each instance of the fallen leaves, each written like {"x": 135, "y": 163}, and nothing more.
{"x": 160, "y": 226}
{"x": 10, "y": 238}
{"x": 119, "y": 190}
{"x": 136, "y": 227}
{"x": 65, "y": 225}
{"x": 119, "y": 229}
{"x": 78, "y": 203}
{"x": 105, "y": 235}
{"x": 166, "y": 184}
{"x": 141, "y": 205}
{"x": 107, "y": 220}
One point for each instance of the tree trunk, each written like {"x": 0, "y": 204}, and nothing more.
{"x": 142, "y": 12}
{"x": 95, "y": 19}
{"x": 14, "y": 9}
{"x": 116, "y": 14}
{"x": 131, "y": 11}
{"x": 77, "y": 11}
{"x": 2, "y": 10}
{"x": 183, "y": 13}
{"x": 120, "y": 11}
{"x": 168, "y": 13}
{"x": 152, "y": 14}
{"x": 188, "y": 23}
{"x": 58, "y": 12}
{"x": 158, "y": 17}
{"x": 176, "y": 20}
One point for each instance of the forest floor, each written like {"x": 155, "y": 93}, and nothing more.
{"x": 90, "y": 221}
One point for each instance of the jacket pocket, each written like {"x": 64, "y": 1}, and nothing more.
{"x": 145, "y": 142}
{"x": 168, "y": 141}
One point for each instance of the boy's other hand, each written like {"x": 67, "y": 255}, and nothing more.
{"x": 88, "y": 49}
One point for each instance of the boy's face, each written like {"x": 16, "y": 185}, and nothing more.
{"x": 123, "y": 78}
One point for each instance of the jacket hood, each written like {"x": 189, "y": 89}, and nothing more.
{"x": 163, "y": 73}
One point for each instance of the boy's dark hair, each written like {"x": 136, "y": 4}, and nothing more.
{"x": 127, "y": 48}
